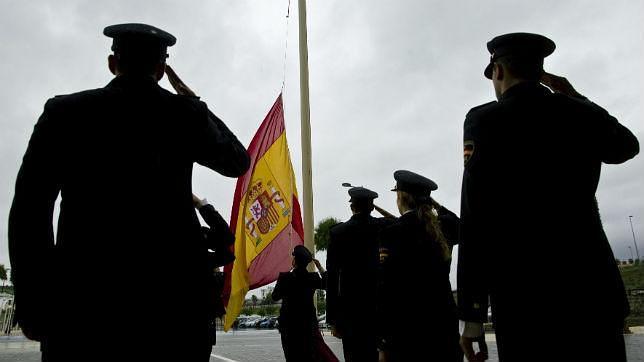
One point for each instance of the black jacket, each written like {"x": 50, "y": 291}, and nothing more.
{"x": 296, "y": 289}
{"x": 352, "y": 267}
{"x": 529, "y": 215}
{"x": 218, "y": 238}
{"x": 121, "y": 159}
{"x": 415, "y": 273}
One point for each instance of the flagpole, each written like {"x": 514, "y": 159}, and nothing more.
{"x": 307, "y": 170}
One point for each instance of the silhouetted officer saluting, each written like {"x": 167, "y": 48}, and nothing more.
{"x": 352, "y": 267}
{"x": 415, "y": 260}
{"x": 532, "y": 239}
{"x": 127, "y": 278}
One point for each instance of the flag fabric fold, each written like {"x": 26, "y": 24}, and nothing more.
{"x": 266, "y": 217}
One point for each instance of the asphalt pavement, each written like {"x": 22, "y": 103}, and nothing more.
{"x": 261, "y": 345}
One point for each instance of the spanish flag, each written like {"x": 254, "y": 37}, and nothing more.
{"x": 265, "y": 218}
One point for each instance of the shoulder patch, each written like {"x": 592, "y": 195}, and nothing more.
{"x": 384, "y": 254}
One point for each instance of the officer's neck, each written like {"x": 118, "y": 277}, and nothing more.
{"x": 508, "y": 83}
{"x": 136, "y": 76}
{"x": 404, "y": 209}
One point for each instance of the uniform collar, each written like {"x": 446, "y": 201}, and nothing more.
{"x": 132, "y": 81}
{"x": 409, "y": 214}
{"x": 362, "y": 215}
{"x": 524, "y": 88}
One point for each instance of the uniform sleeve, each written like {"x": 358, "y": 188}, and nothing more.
{"x": 386, "y": 282}
{"x": 450, "y": 225}
{"x": 616, "y": 143}
{"x": 219, "y": 149}
{"x": 223, "y": 256}
{"x": 333, "y": 272}
{"x": 31, "y": 235}
{"x": 217, "y": 224}
{"x": 318, "y": 280}
{"x": 278, "y": 291}
{"x": 472, "y": 282}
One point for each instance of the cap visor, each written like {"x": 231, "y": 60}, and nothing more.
{"x": 488, "y": 71}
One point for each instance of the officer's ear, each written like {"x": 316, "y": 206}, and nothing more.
{"x": 111, "y": 63}
{"x": 498, "y": 72}
{"x": 159, "y": 71}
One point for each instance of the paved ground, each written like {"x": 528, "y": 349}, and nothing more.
{"x": 257, "y": 345}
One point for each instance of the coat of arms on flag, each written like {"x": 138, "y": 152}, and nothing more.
{"x": 268, "y": 212}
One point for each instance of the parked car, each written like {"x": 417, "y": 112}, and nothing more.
{"x": 268, "y": 322}
{"x": 249, "y": 322}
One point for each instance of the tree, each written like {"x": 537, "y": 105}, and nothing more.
{"x": 254, "y": 299}
{"x": 267, "y": 296}
{"x": 322, "y": 232}
{"x": 3, "y": 275}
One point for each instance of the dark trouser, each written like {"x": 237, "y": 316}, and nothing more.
{"x": 297, "y": 345}
{"x": 532, "y": 325}
{"x": 103, "y": 352}
{"x": 438, "y": 347}
{"x": 360, "y": 346}
{"x": 578, "y": 344}
{"x": 127, "y": 345}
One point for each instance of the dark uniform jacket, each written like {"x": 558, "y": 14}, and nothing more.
{"x": 298, "y": 323}
{"x": 217, "y": 238}
{"x": 532, "y": 238}
{"x": 450, "y": 225}
{"x": 217, "y": 242}
{"x": 296, "y": 289}
{"x": 128, "y": 247}
{"x": 352, "y": 267}
{"x": 415, "y": 277}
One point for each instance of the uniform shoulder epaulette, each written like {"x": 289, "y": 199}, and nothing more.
{"x": 335, "y": 226}
{"x": 85, "y": 93}
{"x": 482, "y": 107}
{"x": 285, "y": 274}
{"x": 63, "y": 99}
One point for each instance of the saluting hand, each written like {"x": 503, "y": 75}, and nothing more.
{"x": 559, "y": 85}
{"x": 179, "y": 86}
{"x": 468, "y": 349}
{"x": 318, "y": 266}
{"x": 196, "y": 201}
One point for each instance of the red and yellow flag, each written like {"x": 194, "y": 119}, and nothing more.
{"x": 266, "y": 217}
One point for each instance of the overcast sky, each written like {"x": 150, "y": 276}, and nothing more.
{"x": 390, "y": 82}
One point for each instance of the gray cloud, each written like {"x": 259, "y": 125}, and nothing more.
{"x": 391, "y": 81}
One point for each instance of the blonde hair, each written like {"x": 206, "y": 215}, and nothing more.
{"x": 427, "y": 214}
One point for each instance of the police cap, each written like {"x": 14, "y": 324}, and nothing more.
{"x": 361, "y": 194}
{"x": 302, "y": 255}
{"x": 413, "y": 183}
{"x": 139, "y": 38}
{"x": 527, "y": 46}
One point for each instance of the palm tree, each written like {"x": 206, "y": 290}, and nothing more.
{"x": 3, "y": 276}
{"x": 322, "y": 236}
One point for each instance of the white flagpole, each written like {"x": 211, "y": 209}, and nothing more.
{"x": 307, "y": 171}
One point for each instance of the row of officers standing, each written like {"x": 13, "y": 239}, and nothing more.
{"x": 378, "y": 269}
{"x": 532, "y": 165}
{"x": 532, "y": 162}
